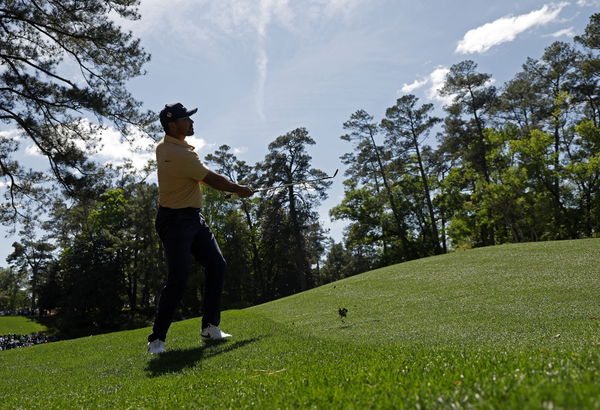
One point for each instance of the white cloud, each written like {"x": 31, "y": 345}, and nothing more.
{"x": 588, "y": 3}
{"x": 240, "y": 150}
{"x": 437, "y": 79}
{"x": 33, "y": 151}
{"x": 481, "y": 39}
{"x": 564, "y": 32}
{"x": 408, "y": 88}
{"x": 10, "y": 134}
{"x": 112, "y": 149}
{"x": 197, "y": 143}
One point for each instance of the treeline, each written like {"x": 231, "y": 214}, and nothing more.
{"x": 104, "y": 265}
{"x": 515, "y": 163}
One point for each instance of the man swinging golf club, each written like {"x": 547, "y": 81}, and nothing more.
{"x": 182, "y": 228}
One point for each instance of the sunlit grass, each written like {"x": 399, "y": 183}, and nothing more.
{"x": 505, "y": 327}
{"x": 19, "y": 325}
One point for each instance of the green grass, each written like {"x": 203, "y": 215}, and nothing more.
{"x": 504, "y": 327}
{"x": 19, "y": 325}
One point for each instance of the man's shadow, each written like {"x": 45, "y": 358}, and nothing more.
{"x": 174, "y": 361}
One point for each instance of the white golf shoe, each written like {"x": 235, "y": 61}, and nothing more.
{"x": 156, "y": 346}
{"x": 212, "y": 332}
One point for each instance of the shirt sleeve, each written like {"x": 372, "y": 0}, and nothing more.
{"x": 193, "y": 168}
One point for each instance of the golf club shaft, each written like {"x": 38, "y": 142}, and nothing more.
{"x": 233, "y": 195}
{"x": 294, "y": 183}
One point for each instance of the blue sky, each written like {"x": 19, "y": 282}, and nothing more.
{"x": 257, "y": 69}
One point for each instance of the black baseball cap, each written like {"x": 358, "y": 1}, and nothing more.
{"x": 173, "y": 112}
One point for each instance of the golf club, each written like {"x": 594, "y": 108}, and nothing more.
{"x": 264, "y": 189}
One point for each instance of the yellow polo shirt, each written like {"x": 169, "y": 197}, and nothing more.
{"x": 179, "y": 174}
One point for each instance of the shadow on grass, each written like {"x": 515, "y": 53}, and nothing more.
{"x": 174, "y": 361}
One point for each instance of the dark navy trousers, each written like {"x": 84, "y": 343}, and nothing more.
{"x": 184, "y": 234}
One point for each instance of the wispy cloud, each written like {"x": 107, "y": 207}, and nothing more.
{"x": 33, "y": 151}
{"x": 408, "y": 88}
{"x": 568, "y": 32}
{"x": 435, "y": 80}
{"x": 505, "y": 29}
{"x": 12, "y": 134}
{"x": 112, "y": 149}
{"x": 282, "y": 13}
{"x": 333, "y": 8}
{"x": 267, "y": 11}
{"x": 210, "y": 24}
{"x": 588, "y": 3}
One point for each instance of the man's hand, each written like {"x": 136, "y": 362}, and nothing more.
{"x": 244, "y": 191}
{"x": 221, "y": 183}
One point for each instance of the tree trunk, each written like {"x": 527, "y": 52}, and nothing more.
{"x": 299, "y": 256}
{"x": 487, "y": 231}
{"x": 256, "y": 262}
{"x": 401, "y": 228}
{"x": 433, "y": 231}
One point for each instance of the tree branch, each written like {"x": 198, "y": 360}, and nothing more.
{"x": 49, "y": 73}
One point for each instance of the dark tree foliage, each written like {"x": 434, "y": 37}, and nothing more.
{"x": 288, "y": 214}
{"x": 63, "y": 63}
{"x": 587, "y": 88}
{"x": 407, "y": 127}
{"x": 31, "y": 257}
{"x": 464, "y": 136}
{"x": 235, "y": 226}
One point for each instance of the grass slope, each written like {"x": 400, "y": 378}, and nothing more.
{"x": 19, "y": 325}
{"x": 504, "y": 327}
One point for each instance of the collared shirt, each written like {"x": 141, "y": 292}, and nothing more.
{"x": 179, "y": 174}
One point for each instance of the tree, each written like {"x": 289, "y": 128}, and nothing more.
{"x": 365, "y": 207}
{"x": 41, "y": 42}
{"x": 407, "y": 126}
{"x": 473, "y": 97}
{"x": 591, "y": 41}
{"x": 12, "y": 295}
{"x": 237, "y": 231}
{"x": 288, "y": 213}
{"x": 92, "y": 285}
{"x": 551, "y": 73}
{"x": 553, "y": 76}
{"x": 110, "y": 264}
{"x": 584, "y": 172}
{"x": 336, "y": 262}
{"x": 362, "y": 133}
{"x": 31, "y": 257}
{"x": 587, "y": 88}
{"x": 519, "y": 103}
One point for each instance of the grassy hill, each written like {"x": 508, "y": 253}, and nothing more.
{"x": 19, "y": 325}
{"x": 514, "y": 326}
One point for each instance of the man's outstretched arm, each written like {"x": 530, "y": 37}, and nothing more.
{"x": 216, "y": 181}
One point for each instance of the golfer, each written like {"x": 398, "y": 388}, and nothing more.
{"x": 182, "y": 228}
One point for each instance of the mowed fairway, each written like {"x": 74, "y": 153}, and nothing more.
{"x": 19, "y": 325}
{"x": 514, "y": 326}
